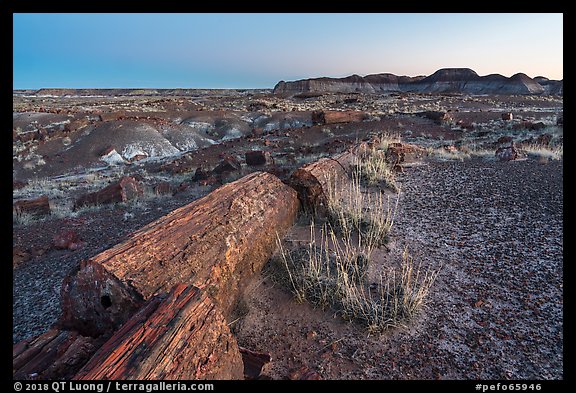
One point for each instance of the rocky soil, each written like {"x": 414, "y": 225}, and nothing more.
{"x": 496, "y": 309}
{"x": 494, "y": 229}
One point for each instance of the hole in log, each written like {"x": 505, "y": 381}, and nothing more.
{"x": 105, "y": 301}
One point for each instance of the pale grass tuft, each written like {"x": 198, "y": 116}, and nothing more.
{"x": 448, "y": 155}
{"x": 555, "y": 152}
{"x": 352, "y": 211}
{"x": 373, "y": 170}
{"x": 332, "y": 274}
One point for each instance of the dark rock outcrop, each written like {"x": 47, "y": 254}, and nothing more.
{"x": 446, "y": 80}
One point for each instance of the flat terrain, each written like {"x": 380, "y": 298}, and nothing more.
{"x": 493, "y": 229}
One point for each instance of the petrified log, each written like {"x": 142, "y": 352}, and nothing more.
{"x": 55, "y": 354}
{"x": 162, "y": 188}
{"x": 437, "y": 116}
{"x": 253, "y": 362}
{"x": 181, "y": 335}
{"x": 508, "y": 153}
{"x": 331, "y": 117}
{"x": 257, "y": 157}
{"x": 38, "y": 207}
{"x": 313, "y": 181}
{"x": 228, "y": 164}
{"x": 123, "y": 190}
{"x": 19, "y": 256}
{"x": 399, "y": 153}
{"x": 215, "y": 242}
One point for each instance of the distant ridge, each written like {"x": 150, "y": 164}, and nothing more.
{"x": 445, "y": 80}
{"x": 63, "y": 92}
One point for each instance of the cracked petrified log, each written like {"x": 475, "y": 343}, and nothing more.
{"x": 56, "y": 354}
{"x": 314, "y": 181}
{"x": 216, "y": 242}
{"x": 38, "y": 207}
{"x": 125, "y": 189}
{"x": 181, "y": 335}
{"x": 332, "y": 117}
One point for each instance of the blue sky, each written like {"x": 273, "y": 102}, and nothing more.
{"x": 258, "y": 50}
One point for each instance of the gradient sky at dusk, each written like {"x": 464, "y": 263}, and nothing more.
{"x": 258, "y": 50}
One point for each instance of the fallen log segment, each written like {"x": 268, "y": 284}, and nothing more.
{"x": 38, "y": 207}
{"x": 399, "y": 153}
{"x": 216, "y": 243}
{"x": 125, "y": 189}
{"x": 177, "y": 336}
{"x": 254, "y": 362}
{"x": 332, "y": 117}
{"x": 313, "y": 181}
{"x": 53, "y": 355}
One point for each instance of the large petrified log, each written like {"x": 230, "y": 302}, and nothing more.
{"x": 125, "y": 189}
{"x": 38, "y": 207}
{"x": 332, "y": 117}
{"x": 215, "y": 242}
{"x": 55, "y": 354}
{"x": 181, "y": 335}
{"x": 313, "y": 181}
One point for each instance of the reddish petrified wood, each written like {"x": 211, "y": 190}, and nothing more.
{"x": 508, "y": 153}
{"x": 399, "y": 153}
{"x": 331, "y": 117}
{"x": 258, "y": 157}
{"x": 55, "y": 354}
{"x": 39, "y": 206}
{"x": 253, "y": 362}
{"x": 19, "y": 256}
{"x": 313, "y": 181}
{"x": 304, "y": 374}
{"x": 183, "y": 336}
{"x": 123, "y": 190}
{"x": 162, "y": 188}
{"x": 228, "y": 164}
{"x": 216, "y": 242}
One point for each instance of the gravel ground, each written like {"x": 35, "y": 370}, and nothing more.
{"x": 37, "y": 282}
{"x": 497, "y": 228}
{"x": 496, "y": 308}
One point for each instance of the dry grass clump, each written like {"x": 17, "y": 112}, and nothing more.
{"x": 369, "y": 215}
{"x": 372, "y": 169}
{"x": 444, "y": 154}
{"x": 332, "y": 274}
{"x": 371, "y": 166}
{"x": 549, "y": 152}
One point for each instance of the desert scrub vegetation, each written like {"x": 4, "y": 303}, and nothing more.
{"x": 553, "y": 151}
{"x": 368, "y": 215}
{"x": 332, "y": 273}
{"x": 25, "y": 219}
{"x": 372, "y": 169}
{"x": 444, "y": 154}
